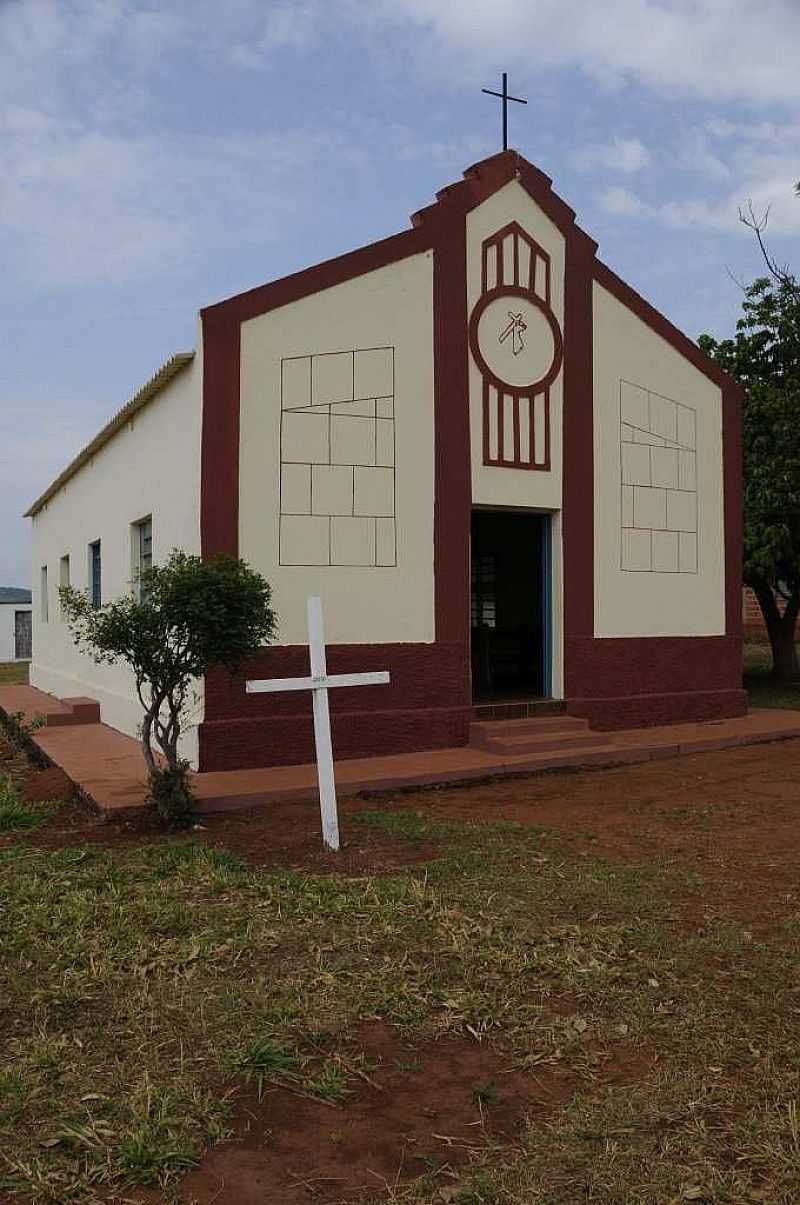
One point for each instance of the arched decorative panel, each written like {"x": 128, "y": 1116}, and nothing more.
{"x": 517, "y": 346}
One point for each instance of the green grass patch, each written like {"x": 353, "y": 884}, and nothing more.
{"x": 14, "y": 673}
{"x": 139, "y": 987}
{"x": 16, "y": 813}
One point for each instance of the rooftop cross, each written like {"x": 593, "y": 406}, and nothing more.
{"x": 505, "y": 99}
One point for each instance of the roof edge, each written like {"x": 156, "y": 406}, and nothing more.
{"x": 608, "y": 279}
{"x": 166, "y": 373}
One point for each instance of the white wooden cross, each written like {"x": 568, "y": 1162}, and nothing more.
{"x": 319, "y": 684}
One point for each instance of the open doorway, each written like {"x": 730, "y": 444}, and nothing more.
{"x": 510, "y": 605}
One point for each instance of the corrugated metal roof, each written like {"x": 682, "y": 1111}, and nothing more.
{"x": 139, "y": 400}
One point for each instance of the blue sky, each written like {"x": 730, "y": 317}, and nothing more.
{"x": 156, "y": 155}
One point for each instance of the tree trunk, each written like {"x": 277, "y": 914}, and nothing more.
{"x": 780, "y": 629}
{"x": 147, "y": 749}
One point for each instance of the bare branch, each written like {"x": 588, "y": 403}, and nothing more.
{"x": 758, "y": 225}
{"x": 739, "y": 283}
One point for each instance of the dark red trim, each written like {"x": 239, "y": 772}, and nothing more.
{"x": 320, "y": 276}
{"x": 661, "y": 325}
{"x": 558, "y": 346}
{"x": 219, "y": 459}
{"x": 577, "y": 506}
{"x": 647, "y": 711}
{"x": 452, "y": 461}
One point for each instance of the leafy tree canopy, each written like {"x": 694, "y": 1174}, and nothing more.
{"x": 764, "y": 357}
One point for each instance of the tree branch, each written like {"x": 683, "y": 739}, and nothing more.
{"x": 758, "y": 225}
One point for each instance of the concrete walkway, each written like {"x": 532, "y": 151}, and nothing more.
{"x": 109, "y": 770}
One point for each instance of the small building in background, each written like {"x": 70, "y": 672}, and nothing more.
{"x": 15, "y": 624}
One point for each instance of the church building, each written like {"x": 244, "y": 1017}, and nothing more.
{"x": 508, "y": 477}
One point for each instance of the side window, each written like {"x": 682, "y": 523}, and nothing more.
{"x": 141, "y": 552}
{"x": 95, "y": 574}
{"x": 63, "y": 572}
{"x": 43, "y": 596}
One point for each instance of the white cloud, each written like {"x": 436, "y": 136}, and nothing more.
{"x": 623, "y": 203}
{"x": 79, "y": 205}
{"x": 285, "y": 26}
{"x": 718, "y": 49}
{"x": 758, "y": 162}
{"x": 625, "y": 155}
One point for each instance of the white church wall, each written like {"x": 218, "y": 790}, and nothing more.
{"x": 658, "y": 527}
{"x": 8, "y": 613}
{"x": 337, "y": 456}
{"x": 151, "y": 467}
{"x": 496, "y": 486}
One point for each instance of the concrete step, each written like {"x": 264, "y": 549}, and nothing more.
{"x": 77, "y": 710}
{"x": 521, "y": 736}
{"x": 544, "y": 723}
{"x": 543, "y": 742}
{"x": 517, "y": 709}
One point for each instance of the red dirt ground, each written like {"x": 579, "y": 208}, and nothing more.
{"x": 730, "y": 816}
{"x": 422, "y": 1108}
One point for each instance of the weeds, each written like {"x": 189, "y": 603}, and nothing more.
{"x": 15, "y": 813}
{"x": 139, "y": 988}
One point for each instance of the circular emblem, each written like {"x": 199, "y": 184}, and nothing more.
{"x": 515, "y": 340}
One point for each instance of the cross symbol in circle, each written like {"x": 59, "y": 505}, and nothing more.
{"x": 514, "y": 328}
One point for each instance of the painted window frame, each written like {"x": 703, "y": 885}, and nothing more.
{"x": 64, "y": 577}
{"x": 44, "y": 596}
{"x": 95, "y": 580}
{"x": 141, "y": 554}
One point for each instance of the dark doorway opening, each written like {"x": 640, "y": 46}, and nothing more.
{"x": 510, "y": 605}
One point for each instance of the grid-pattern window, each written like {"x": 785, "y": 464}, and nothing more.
{"x": 63, "y": 574}
{"x": 95, "y": 574}
{"x": 44, "y": 599}
{"x": 484, "y": 605}
{"x": 142, "y": 548}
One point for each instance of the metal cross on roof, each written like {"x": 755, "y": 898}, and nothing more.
{"x": 505, "y": 99}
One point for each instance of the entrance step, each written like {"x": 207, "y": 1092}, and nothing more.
{"x": 517, "y": 709}
{"x": 540, "y": 735}
{"x": 35, "y": 705}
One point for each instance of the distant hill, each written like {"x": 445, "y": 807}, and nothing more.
{"x": 14, "y": 594}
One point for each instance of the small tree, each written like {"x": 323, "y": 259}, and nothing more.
{"x": 190, "y": 615}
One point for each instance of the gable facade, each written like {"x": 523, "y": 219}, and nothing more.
{"x": 357, "y": 416}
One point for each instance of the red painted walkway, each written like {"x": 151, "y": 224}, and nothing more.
{"x": 109, "y": 770}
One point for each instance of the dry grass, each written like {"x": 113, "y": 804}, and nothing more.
{"x": 140, "y": 986}
{"x": 136, "y": 984}
{"x": 14, "y": 672}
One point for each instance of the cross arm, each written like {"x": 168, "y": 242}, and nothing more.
{"x": 325, "y": 682}
{"x": 504, "y": 96}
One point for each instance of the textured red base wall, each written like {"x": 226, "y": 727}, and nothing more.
{"x": 638, "y": 682}
{"x": 425, "y": 706}
{"x": 617, "y": 683}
